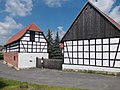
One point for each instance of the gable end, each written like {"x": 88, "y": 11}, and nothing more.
{"x": 91, "y": 23}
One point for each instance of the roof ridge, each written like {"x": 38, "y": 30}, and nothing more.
{"x": 19, "y": 34}
{"x": 106, "y": 16}
{"x": 30, "y": 26}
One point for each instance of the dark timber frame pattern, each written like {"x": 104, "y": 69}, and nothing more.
{"x": 68, "y": 54}
{"x": 116, "y": 53}
{"x": 92, "y": 24}
{"x": 16, "y": 46}
{"x": 102, "y": 52}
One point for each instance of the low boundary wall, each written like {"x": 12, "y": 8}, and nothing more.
{"x": 49, "y": 63}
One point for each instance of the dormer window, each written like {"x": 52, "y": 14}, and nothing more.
{"x": 32, "y": 36}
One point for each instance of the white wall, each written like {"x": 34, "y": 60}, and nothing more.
{"x": 28, "y": 60}
{"x": 82, "y": 67}
{"x": 78, "y": 52}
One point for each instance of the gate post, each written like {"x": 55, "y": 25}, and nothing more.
{"x": 36, "y": 62}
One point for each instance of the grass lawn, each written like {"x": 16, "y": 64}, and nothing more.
{"x": 6, "y": 84}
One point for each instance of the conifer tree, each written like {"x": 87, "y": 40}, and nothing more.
{"x": 50, "y": 43}
{"x": 57, "y": 40}
{"x": 56, "y": 49}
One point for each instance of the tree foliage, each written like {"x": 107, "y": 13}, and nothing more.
{"x": 1, "y": 54}
{"x": 56, "y": 49}
{"x": 49, "y": 37}
{"x": 53, "y": 46}
{"x": 50, "y": 42}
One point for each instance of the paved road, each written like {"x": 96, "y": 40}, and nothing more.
{"x": 60, "y": 78}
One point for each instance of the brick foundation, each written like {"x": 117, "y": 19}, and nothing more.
{"x": 11, "y": 58}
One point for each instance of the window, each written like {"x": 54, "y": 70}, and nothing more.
{"x": 14, "y": 58}
{"x": 32, "y": 36}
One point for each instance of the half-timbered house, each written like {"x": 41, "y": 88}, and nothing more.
{"x": 92, "y": 41}
{"x": 22, "y": 49}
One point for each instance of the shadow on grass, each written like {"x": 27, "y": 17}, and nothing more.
{"x": 2, "y": 85}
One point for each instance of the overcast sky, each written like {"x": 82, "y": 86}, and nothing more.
{"x": 56, "y": 15}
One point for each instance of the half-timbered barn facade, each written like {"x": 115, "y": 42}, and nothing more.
{"x": 23, "y": 48}
{"x": 92, "y": 42}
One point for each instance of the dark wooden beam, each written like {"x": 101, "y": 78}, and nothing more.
{"x": 116, "y": 53}
{"x": 68, "y": 52}
{"x": 89, "y": 51}
{"x": 102, "y": 50}
{"x": 83, "y": 52}
{"x": 72, "y": 52}
{"x": 95, "y": 52}
{"x": 77, "y": 54}
{"x": 109, "y": 52}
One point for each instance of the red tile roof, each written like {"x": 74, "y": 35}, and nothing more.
{"x": 114, "y": 22}
{"x": 17, "y": 36}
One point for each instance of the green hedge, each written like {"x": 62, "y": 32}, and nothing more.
{"x": 1, "y": 56}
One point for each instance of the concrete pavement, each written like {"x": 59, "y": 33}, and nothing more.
{"x": 61, "y": 78}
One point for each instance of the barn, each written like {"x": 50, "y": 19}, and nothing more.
{"x": 22, "y": 48}
{"x": 92, "y": 42}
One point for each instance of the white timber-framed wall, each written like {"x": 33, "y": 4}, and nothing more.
{"x": 92, "y": 42}
{"x": 94, "y": 52}
{"x": 31, "y": 45}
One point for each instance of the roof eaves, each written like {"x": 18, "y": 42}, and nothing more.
{"x": 24, "y": 30}
{"x": 14, "y": 36}
{"x": 106, "y": 16}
